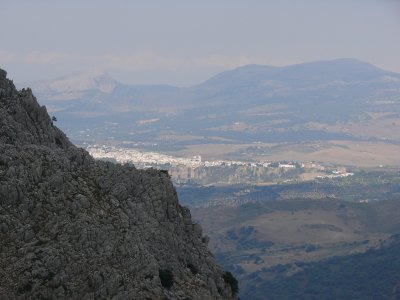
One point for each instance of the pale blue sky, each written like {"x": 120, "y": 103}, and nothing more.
{"x": 183, "y": 42}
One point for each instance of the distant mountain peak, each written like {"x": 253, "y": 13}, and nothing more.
{"x": 90, "y": 80}
{"x": 346, "y": 69}
{"x": 344, "y": 64}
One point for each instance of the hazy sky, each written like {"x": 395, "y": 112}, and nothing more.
{"x": 183, "y": 42}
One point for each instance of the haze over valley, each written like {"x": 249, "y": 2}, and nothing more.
{"x": 200, "y": 150}
{"x": 283, "y": 166}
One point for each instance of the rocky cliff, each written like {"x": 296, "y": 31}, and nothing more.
{"x": 72, "y": 227}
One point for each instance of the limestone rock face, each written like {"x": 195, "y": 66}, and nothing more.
{"x": 72, "y": 227}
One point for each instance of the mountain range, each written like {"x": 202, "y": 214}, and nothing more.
{"x": 326, "y": 100}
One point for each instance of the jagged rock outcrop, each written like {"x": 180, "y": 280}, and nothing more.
{"x": 72, "y": 227}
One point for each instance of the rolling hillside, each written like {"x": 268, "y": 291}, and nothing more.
{"x": 343, "y": 99}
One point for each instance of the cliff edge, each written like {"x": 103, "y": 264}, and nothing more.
{"x": 72, "y": 227}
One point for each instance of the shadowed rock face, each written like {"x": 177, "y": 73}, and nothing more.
{"x": 72, "y": 227}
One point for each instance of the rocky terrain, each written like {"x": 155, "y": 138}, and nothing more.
{"x": 72, "y": 227}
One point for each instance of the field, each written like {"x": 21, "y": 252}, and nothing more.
{"x": 348, "y": 153}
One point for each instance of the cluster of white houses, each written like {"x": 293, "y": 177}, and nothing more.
{"x": 150, "y": 159}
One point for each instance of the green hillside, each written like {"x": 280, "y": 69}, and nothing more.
{"x": 374, "y": 274}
